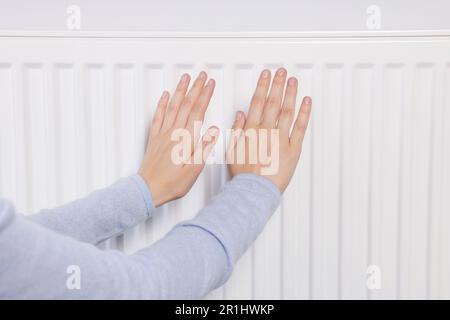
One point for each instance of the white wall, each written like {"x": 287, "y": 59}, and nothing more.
{"x": 224, "y": 15}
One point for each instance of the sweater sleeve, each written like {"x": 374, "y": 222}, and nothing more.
{"x": 195, "y": 257}
{"x": 103, "y": 213}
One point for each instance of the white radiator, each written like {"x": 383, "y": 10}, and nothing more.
{"x": 373, "y": 185}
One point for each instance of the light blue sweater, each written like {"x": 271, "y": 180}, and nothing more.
{"x": 195, "y": 257}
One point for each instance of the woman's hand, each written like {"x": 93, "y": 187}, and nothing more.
{"x": 166, "y": 178}
{"x": 267, "y": 131}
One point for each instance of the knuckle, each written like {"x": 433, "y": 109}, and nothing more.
{"x": 262, "y": 82}
{"x": 258, "y": 100}
{"x": 300, "y": 126}
{"x": 194, "y": 116}
{"x": 180, "y": 88}
{"x": 189, "y": 101}
{"x": 273, "y": 101}
{"x": 278, "y": 80}
{"x": 288, "y": 112}
{"x": 171, "y": 108}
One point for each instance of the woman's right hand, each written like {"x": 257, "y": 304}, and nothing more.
{"x": 267, "y": 130}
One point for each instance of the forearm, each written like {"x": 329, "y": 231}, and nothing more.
{"x": 198, "y": 255}
{"x": 35, "y": 261}
{"x": 192, "y": 259}
{"x": 239, "y": 213}
{"x": 103, "y": 213}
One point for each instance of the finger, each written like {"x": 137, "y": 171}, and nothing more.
{"x": 203, "y": 149}
{"x": 190, "y": 100}
{"x": 158, "y": 116}
{"x": 239, "y": 120}
{"x": 288, "y": 109}
{"x": 198, "y": 110}
{"x": 236, "y": 132}
{"x": 175, "y": 102}
{"x": 273, "y": 103}
{"x": 259, "y": 99}
{"x": 301, "y": 124}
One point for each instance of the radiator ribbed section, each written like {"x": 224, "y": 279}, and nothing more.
{"x": 372, "y": 188}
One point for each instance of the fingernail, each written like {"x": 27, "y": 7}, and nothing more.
{"x": 184, "y": 78}
{"x": 210, "y": 83}
{"x": 164, "y": 95}
{"x": 292, "y": 81}
{"x": 265, "y": 73}
{"x": 202, "y": 75}
{"x": 281, "y": 72}
{"x": 308, "y": 100}
{"x": 238, "y": 115}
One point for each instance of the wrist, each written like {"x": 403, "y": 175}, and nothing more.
{"x": 253, "y": 171}
{"x": 159, "y": 196}
{"x": 263, "y": 180}
{"x": 145, "y": 191}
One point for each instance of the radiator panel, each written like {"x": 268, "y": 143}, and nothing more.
{"x": 372, "y": 188}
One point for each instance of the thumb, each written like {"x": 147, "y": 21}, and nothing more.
{"x": 203, "y": 149}
{"x": 236, "y": 132}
